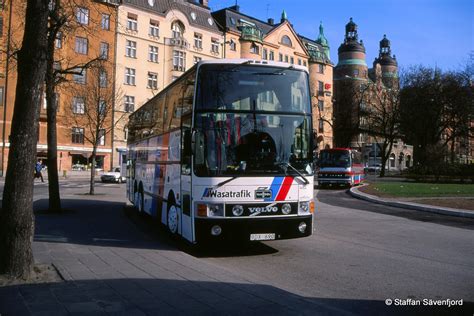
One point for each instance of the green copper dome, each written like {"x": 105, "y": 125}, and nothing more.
{"x": 323, "y": 41}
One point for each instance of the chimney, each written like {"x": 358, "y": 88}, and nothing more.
{"x": 271, "y": 21}
{"x": 204, "y": 3}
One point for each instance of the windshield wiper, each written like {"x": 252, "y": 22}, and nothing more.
{"x": 225, "y": 181}
{"x": 287, "y": 164}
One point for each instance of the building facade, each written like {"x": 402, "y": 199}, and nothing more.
{"x": 157, "y": 41}
{"x": 87, "y": 36}
{"x": 248, "y": 37}
{"x": 360, "y": 92}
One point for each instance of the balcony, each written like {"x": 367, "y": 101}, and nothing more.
{"x": 178, "y": 42}
{"x": 251, "y": 33}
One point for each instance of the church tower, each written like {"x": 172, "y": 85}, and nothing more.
{"x": 388, "y": 64}
{"x": 350, "y": 74}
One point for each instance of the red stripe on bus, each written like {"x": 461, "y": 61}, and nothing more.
{"x": 285, "y": 188}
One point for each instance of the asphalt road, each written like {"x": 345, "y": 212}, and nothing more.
{"x": 360, "y": 255}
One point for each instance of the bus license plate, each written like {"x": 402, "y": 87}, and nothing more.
{"x": 262, "y": 236}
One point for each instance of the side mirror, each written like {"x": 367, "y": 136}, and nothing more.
{"x": 197, "y": 146}
{"x": 187, "y": 150}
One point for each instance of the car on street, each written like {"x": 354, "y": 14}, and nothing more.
{"x": 113, "y": 176}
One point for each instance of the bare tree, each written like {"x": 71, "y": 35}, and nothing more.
{"x": 16, "y": 217}
{"x": 95, "y": 117}
{"x": 380, "y": 117}
{"x": 62, "y": 21}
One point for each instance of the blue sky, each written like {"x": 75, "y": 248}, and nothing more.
{"x": 428, "y": 32}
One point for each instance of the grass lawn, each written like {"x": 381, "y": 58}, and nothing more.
{"x": 407, "y": 189}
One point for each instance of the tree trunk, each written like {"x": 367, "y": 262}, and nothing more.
{"x": 16, "y": 217}
{"x": 92, "y": 183}
{"x": 51, "y": 111}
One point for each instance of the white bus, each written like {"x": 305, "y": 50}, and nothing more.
{"x": 225, "y": 152}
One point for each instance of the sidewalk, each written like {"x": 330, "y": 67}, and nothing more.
{"x": 111, "y": 267}
{"x": 355, "y": 192}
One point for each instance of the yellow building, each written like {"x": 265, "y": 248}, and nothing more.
{"x": 248, "y": 37}
{"x": 156, "y": 42}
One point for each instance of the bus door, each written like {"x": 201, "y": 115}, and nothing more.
{"x": 187, "y": 219}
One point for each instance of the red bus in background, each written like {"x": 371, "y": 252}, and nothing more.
{"x": 340, "y": 166}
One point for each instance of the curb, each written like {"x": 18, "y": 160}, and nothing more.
{"x": 414, "y": 206}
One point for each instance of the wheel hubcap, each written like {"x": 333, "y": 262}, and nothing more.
{"x": 173, "y": 219}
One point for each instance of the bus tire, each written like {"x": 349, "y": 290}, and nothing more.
{"x": 172, "y": 218}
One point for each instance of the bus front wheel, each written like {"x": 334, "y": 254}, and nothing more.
{"x": 172, "y": 219}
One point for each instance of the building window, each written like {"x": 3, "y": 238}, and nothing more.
{"x": 77, "y": 135}
{"x": 321, "y": 105}
{"x": 254, "y": 49}
{"x": 215, "y": 45}
{"x": 154, "y": 29}
{"x": 129, "y": 104}
{"x": 105, "y": 22}
{"x": 280, "y": 57}
{"x": 104, "y": 50}
{"x": 82, "y": 15}
{"x": 59, "y": 40}
{"x": 132, "y": 24}
{"x": 78, "y": 105}
{"x": 292, "y": 60}
{"x": 304, "y": 63}
{"x": 125, "y": 133}
{"x": 81, "y": 45}
{"x": 1, "y": 95}
{"x": 198, "y": 40}
{"x": 320, "y": 87}
{"x": 179, "y": 60}
{"x": 197, "y": 59}
{"x": 130, "y": 76}
{"x": 233, "y": 45}
{"x": 177, "y": 29}
{"x": 79, "y": 76}
{"x": 102, "y": 107}
{"x": 152, "y": 80}
{"x": 101, "y": 137}
{"x": 285, "y": 40}
{"x": 103, "y": 78}
{"x": 321, "y": 126}
{"x": 271, "y": 55}
{"x": 299, "y": 61}
{"x": 356, "y": 72}
{"x": 320, "y": 68}
{"x": 153, "y": 54}
{"x": 131, "y": 49}
{"x": 286, "y": 58}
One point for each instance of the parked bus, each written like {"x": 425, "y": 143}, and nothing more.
{"x": 226, "y": 152}
{"x": 340, "y": 166}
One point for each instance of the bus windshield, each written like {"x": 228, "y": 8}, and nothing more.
{"x": 251, "y": 143}
{"x": 252, "y": 88}
{"x": 335, "y": 158}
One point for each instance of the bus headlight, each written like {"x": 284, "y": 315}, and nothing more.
{"x": 210, "y": 210}
{"x": 238, "y": 210}
{"x": 286, "y": 209}
{"x": 215, "y": 210}
{"x": 306, "y": 207}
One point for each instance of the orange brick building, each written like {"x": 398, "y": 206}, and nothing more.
{"x": 90, "y": 33}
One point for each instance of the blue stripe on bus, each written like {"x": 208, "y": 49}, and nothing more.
{"x": 275, "y": 187}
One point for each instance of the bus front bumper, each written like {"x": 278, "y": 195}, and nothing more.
{"x": 253, "y": 229}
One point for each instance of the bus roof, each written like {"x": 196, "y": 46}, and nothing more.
{"x": 253, "y": 62}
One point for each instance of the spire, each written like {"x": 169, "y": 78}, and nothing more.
{"x": 322, "y": 40}
{"x": 284, "y": 17}
{"x": 384, "y": 46}
{"x": 351, "y": 30}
